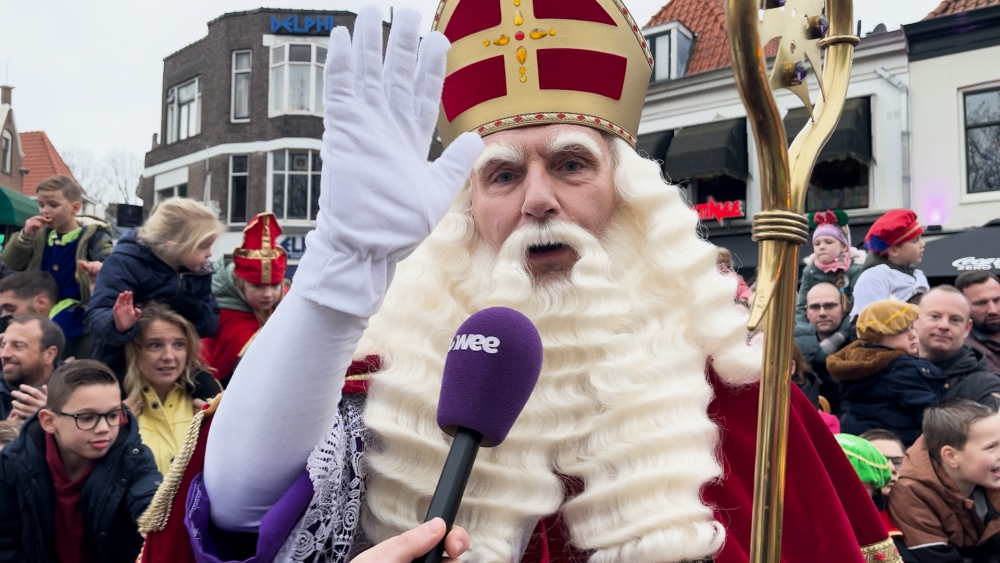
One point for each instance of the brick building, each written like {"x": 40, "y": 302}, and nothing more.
{"x": 241, "y": 126}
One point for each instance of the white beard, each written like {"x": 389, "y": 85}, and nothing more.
{"x": 622, "y": 398}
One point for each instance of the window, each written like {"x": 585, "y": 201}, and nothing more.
{"x": 295, "y": 187}
{"x": 838, "y": 184}
{"x": 982, "y": 141}
{"x": 5, "y": 156}
{"x": 238, "y": 189}
{"x": 184, "y": 111}
{"x": 671, "y": 47}
{"x": 241, "y": 86}
{"x": 296, "y": 79}
{"x": 180, "y": 190}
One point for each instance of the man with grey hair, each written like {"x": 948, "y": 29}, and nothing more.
{"x": 944, "y": 324}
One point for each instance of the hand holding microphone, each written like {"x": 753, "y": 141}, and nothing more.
{"x": 489, "y": 374}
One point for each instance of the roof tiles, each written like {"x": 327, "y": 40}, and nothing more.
{"x": 41, "y": 159}
{"x": 949, "y": 7}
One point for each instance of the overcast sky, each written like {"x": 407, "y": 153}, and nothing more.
{"x": 89, "y": 73}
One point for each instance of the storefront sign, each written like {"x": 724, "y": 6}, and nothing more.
{"x": 302, "y": 25}
{"x": 294, "y": 245}
{"x": 973, "y": 263}
{"x": 720, "y": 210}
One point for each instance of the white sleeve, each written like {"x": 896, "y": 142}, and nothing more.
{"x": 871, "y": 287}
{"x": 282, "y": 401}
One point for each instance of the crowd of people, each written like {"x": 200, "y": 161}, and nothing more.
{"x": 638, "y": 441}
{"x": 913, "y": 370}
{"x": 911, "y": 381}
{"x": 108, "y": 351}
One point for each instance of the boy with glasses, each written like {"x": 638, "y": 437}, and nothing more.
{"x": 75, "y": 481}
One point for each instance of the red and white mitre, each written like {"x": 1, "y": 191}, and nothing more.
{"x": 515, "y": 63}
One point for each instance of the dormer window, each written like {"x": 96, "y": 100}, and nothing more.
{"x": 671, "y": 44}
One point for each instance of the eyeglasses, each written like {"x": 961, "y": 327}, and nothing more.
{"x": 897, "y": 461}
{"x": 90, "y": 420}
{"x": 825, "y": 306}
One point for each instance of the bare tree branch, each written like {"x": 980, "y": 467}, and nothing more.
{"x": 122, "y": 170}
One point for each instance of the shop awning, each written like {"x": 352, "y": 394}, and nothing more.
{"x": 851, "y": 139}
{"x": 654, "y": 145}
{"x": 712, "y": 149}
{"x": 975, "y": 249}
{"x": 15, "y": 207}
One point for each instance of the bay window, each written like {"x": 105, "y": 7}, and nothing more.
{"x": 296, "y": 79}
{"x": 295, "y": 184}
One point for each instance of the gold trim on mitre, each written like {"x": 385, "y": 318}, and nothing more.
{"x": 881, "y": 552}
{"x": 583, "y": 62}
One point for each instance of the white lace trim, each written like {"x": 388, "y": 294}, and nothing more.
{"x": 332, "y": 523}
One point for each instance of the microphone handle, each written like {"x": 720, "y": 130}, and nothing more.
{"x": 451, "y": 486}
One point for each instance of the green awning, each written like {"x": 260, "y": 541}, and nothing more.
{"x": 15, "y": 207}
{"x": 851, "y": 139}
{"x": 712, "y": 149}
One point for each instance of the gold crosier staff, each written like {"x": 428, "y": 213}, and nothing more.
{"x": 806, "y": 27}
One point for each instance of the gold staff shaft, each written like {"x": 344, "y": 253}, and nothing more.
{"x": 780, "y": 227}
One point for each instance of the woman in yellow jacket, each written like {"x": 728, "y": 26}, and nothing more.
{"x": 165, "y": 383}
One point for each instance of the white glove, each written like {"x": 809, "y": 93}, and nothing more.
{"x": 379, "y": 197}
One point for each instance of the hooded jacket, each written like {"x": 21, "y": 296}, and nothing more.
{"x": 885, "y": 388}
{"x": 940, "y": 525}
{"x": 23, "y": 253}
{"x": 881, "y": 279}
{"x": 116, "y": 493}
{"x": 133, "y": 267}
{"x": 969, "y": 377}
{"x": 238, "y": 324}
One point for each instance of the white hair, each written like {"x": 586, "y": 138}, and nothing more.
{"x": 621, "y": 403}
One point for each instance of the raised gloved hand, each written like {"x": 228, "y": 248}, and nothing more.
{"x": 379, "y": 197}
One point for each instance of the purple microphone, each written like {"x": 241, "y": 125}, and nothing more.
{"x": 491, "y": 369}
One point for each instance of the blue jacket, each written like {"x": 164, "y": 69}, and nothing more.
{"x": 885, "y": 388}
{"x": 133, "y": 267}
{"x": 115, "y": 495}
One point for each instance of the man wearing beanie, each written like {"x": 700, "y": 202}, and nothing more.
{"x": 881, "y": 378}
{"x": 895, "y": 247}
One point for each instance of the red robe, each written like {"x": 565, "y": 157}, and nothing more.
{"x": 223, "y": 351}
{"x": 829, "y": 517}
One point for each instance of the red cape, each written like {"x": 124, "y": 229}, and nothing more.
{"x": 829, "y": 517}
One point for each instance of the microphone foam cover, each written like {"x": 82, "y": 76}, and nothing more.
{"x": 491, "y": 370}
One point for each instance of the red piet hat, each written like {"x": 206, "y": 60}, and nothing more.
{"x": 259, "y": 260}
{"x": 893, "y": 228}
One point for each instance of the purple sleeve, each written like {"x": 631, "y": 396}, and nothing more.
{"x": 212, "y": 545}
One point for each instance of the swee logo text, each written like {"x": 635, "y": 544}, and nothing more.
{"x": 475, "y": 342}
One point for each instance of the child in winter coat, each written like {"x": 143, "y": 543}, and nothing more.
{"x": 164, "y": 261}
{"x": 885, "y": 385}
{"x": 58, "y": 242}
{"x": 947, "y": 499}
{"x": 76, "y": 480}
{"x": 248, "y": 288}
{"x": 895, "y": 248}
{"x": 833, "y": 260}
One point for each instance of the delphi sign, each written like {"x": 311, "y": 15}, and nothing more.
{"x": 973, "y": 263}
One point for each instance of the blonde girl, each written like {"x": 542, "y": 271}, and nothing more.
{"x": 167, "y": 260}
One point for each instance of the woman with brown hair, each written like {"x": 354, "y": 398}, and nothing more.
{"x": 165, "y": 383}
